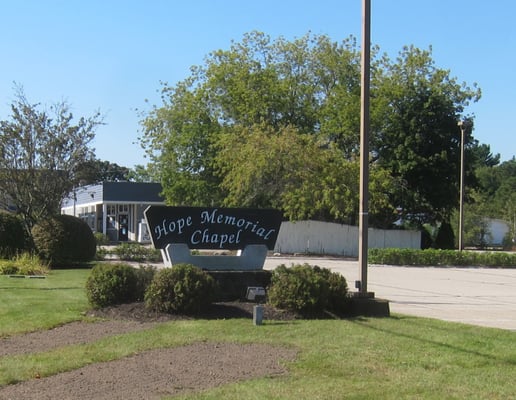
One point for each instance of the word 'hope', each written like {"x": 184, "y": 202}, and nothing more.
{"x": 176, "y": 226}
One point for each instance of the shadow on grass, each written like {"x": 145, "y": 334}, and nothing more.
{"x": 421, "y": 321}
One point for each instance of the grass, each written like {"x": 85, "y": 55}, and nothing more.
{"x": 31, "y": 304}
{"x": 400, "y": 357}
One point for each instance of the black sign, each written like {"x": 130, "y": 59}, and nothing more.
{"x": 212, "y": 228}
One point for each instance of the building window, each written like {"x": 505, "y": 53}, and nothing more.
{"x": 111, "y": 209}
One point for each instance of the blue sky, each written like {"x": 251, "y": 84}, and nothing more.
{"x": 111, "y": 55}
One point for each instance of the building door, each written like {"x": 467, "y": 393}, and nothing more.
{"x": 111, "y": 226}
{"x": 123, "y": 227}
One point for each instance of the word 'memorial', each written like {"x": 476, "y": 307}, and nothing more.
{"x": 176, "y": 230}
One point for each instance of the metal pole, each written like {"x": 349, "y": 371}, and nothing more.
{"x": 364, "y": 144}
{"x": 462, "y": 126}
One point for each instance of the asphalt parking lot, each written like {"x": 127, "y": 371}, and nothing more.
{"x": 476, "y": 296}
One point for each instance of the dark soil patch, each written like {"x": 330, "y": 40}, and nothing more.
{"x": 69, "y": 334}
{"x": 150, "y": 374}
{"x": 158, "y": 373}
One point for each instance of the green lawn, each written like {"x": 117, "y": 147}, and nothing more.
{"x": 31, "y": 304}
{"x": 400, "y": 357}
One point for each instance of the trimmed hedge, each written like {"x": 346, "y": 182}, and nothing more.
{"x": 433, "y": 257}
{"x": 445, "y": 238}
{"x": 111, "y": 284}
{"x": 182, "y": 288}
{"x": 338, "y": 289}
{"x": 13, "y": 236}
{"x": 137, "y": 252}
{"x": 307, "y": 289}
{"x": 64, "y": 240}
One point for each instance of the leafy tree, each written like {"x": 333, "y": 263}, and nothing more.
{"x": 292, "y": 110}
{"x": 256, "y": 82}
{"x": 95, "y": 171}
{"x": 141, "y": 173}
{"x": 177, "y": 138}
{"x": 40, "y": 152}
{"x": 419, "y": 141}
{"x": 476, "y": 228}
{"x": 263, "y": 167}
{"x": 496, "y": 193}
{"x": 482, "y": 156}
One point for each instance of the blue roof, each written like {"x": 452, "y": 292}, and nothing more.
{"x": 115, "y": 192}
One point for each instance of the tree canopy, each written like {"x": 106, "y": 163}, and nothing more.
{"x": 276, "y": 123}
{"x": 418, "y": 139}
{"x": 495, "y": 195}
{"x": 95, "y": 171}
{"x": 40, "y": 153}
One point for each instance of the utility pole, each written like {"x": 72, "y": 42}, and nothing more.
{"x": 364, "y": 147}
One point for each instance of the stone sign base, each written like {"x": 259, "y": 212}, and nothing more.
{"x": 251, "y": 258}
{"x": 233, "y": 284}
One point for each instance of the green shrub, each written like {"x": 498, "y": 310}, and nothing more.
{"x": 508, "y": 241}
{"x": 30, "y": 264}
{"x": 13, "y": 236}
{"x": 144, "y": 277}
{"x": 101, "y": 239}
{"x": 111, "y": 284}
{"x": 301, "y": 288}
{"x": 183, "y": 288}
{"x": 426, "y": 238}
{"x": 8, "y": 267}
{"x": 64, "y": 240}
{"x": 101, "y": 253}
{"x": 435, "y": 257}
{"x": 23, "y": 264}
{"x": 445, "y": 238}
{"x": 136, "y": 252}
{"x": 337, "y": 289}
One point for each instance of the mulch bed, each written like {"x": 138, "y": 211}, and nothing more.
{"x": 223, "y": 310}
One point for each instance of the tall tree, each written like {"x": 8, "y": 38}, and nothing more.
{"x": 281, "y": 168}
{"x": 496, "y": 193}
{"x": 95, "y": 171}
{"x": 310, "y": 86}
{"x": 257, "y": 81}
{"x": 419, "y": 140}
{"x": 178, "y": 140}
{"x": 141, "y": 173}
{"x": 40, "y": 152}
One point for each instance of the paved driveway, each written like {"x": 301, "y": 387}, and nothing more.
{"x": 477, "y": 296}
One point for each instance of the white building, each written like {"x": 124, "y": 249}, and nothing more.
{"x": 114, "y": 208}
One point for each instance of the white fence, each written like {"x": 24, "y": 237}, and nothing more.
{"x": 317, "y": 237}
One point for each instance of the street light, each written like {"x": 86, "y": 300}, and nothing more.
{"x": 463, "y": 125}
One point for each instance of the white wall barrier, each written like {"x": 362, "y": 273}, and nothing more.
{"x": 316, "y": 237}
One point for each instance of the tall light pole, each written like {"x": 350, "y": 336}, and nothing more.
{"x": 462, "y": 125}
{"x": 364, "y": 146}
